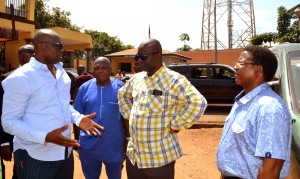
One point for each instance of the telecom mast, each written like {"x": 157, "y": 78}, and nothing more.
{"x": 234, "y": 21}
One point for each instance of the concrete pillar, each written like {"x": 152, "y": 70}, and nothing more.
{"x": 89, "y": 60}
{"x": 68, "y": 57}
{"x": 71, "y": 59}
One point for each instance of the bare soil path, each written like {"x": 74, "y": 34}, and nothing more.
{"x": 199, "y": 161}
{"x": 199, "y": 146}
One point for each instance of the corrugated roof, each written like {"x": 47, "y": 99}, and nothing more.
{"x": 131, "y": 52}
{"x": 229, "y": 56}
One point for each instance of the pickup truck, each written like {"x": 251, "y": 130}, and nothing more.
{"x": 287, "y": 85}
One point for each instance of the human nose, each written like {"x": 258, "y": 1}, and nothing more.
{"x": 237, "y": 65}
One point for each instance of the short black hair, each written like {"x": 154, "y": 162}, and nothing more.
{"x": 264, "y": 57}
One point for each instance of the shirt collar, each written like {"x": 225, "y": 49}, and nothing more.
{"x": 159, "y": 73}
{"x": 242, "y": 98}
{"x": 38, "y": 65}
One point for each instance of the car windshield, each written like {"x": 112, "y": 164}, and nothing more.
{"x": 293, "y": 77}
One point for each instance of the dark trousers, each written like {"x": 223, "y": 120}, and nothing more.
{"x": 165, "y": 172}
{"x": 29, "y": 168}
{"x": 76, "y": 131}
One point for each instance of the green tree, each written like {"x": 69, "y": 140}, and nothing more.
{"x": 104, "y": 44}
{"x": 268, "y": 37}
{"x": 184, "y": 37}
{"x": 257, "y": 40}
{"x": 56, "y": 18}
{"x": 41, "y": 13}
{"x": 283, "y": 21}
{"x": 184, "y": 48}
{"x": 286, "y": 31}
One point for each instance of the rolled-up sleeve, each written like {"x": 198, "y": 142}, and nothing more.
{"x": 191, "y": 106}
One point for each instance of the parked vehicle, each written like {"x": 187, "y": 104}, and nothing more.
{"x": 216, "y": 82}
{"x": 287, "y": 85}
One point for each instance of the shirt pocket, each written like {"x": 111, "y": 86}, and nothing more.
{"x": 160, "y": 103}
{"x": 238, "y": 128}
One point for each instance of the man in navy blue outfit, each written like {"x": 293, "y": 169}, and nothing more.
{"x": 100, "y": 96}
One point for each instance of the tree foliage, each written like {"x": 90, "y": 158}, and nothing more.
{"x": 285, "y": 31}
{"x": 104, "y": 44}
{"x": 268, "y": 37}
{"x": 184, "y": 48}
{"x": 44, "y": 18}
{"x": 184, "y": 37}
{"x": 283, "y": 21}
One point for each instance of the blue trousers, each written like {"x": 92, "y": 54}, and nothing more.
{"x": 92, "y": 168}
{"x": 29, "y": 168}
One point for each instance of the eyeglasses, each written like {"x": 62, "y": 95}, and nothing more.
{"x": 245, "y": 63}
{"x": 143, "y": 57}
{"x": 59, "y": 46}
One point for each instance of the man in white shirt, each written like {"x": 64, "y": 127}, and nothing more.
{"x": 37, "y": 112}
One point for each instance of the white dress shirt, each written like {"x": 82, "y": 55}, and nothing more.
{"x": 36, "y": 103}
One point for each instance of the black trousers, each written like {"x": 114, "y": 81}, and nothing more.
{"x": 164, "y": 172}
{"x": 30, "y": 168}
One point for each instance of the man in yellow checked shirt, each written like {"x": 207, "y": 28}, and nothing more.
{"x": 156, "y": 104}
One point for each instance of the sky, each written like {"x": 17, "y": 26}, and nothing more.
{"x": 129, "y": 20}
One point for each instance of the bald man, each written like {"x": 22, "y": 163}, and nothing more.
{"x": 156, "y": 103}
{"x": 37, "y": 112}
{"x": 25, "y": 52}
{"x": 100, "y": 95}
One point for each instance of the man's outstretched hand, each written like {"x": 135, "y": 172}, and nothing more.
{"x": 56, "y": 137}
{"x": 89, "y": 126}
{"x": 86, "y": 124}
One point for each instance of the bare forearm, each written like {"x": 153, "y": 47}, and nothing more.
{"x": 270, "y": 169}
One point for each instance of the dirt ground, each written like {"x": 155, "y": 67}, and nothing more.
{"x": 199, "y": 161}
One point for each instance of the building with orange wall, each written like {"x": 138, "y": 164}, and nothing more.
{"x": 17, "y": 28}
{"x": 123, "y": 60}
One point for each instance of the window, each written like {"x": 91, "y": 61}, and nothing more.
{"x": 20, "y": 7}
{"x": 222, "y": 73}
{"x": 125, "y": 67}
{"x": 198, "y": 72}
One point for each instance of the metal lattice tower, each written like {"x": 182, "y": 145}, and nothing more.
{"x": 234, "y": 21}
